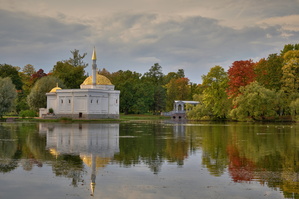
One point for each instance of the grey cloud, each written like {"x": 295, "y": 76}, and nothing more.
{"x": 133, "y": 41}
{"x": 189, "y": 42}
{"x": 24, "y": 29}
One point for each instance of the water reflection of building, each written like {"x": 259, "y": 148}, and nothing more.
{"x": 95, "y": 143}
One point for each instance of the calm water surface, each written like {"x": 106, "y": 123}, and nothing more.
{"x": 149, "y": 160}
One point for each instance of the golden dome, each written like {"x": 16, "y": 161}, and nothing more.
{"x": 55, "y": 89}
{"x": 100, "y": 162}
{"x": 101, "y": 80}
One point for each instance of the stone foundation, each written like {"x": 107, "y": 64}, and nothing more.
{"x": 178, "y": 116}
{"x": 88, "y": 116}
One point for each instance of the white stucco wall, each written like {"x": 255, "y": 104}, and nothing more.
{"x": 73, "y": 102}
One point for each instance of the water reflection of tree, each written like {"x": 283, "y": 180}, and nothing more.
{"x": 140, "y": 144}
{"x": 21, "y": 143}
{"x": 9, "y": 153}
{"x": 241, "y": 169}
{"x": 214, "y": 141}
{"x": 264, "y": 153}
{"x": 70, "y": 166}
{"x": 273, "y": 152}
{"x": 151, "y": 144}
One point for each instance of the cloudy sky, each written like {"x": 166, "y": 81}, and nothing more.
{"x": 134, "y": 34}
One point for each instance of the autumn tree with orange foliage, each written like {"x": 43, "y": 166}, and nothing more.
{"x": 241, "y": 73}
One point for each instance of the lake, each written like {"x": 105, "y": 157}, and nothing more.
{"x": 148, "y": 159}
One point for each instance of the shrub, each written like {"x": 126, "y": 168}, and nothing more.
{"x": 51, "y": 110}
{"x": 27, "y": 113}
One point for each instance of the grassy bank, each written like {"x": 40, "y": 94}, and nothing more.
{"x": 122, "y": 118}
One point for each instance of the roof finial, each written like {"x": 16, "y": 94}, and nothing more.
{"x": 94, "y": 55}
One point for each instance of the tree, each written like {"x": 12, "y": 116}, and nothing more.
{"x": 26, "y": 74}
{"x": 155, "y": 78}
{"x": 106, "y": 73}
{"x": 214, "y": 95}
{"x": 37, "y": 97}
{"x": 28, "y": 70}
{"x": 181, "y": 73}
{"x": 7, "y": 95}
{"x": 10, "y": 71}
{"x": 72, "y": 76}
{"x": 290, "y": 72}
{"x": 177, "y": 89}
{"x": 289, "y": 47}
{"x": 132, "y": 92}
{"x": 172, "y": 94}
{"x": 183, "y": 88}
{"x": 173, "y": 75}
{"x": 256, "y": 102}
{"x": 294, "y": 108}
{"x": 155, "y": 74}
{"x": 37, "y": 75}
{"x": 241, "y": 73}
{"x": 77, "y": 59}
{"x": 143, "y": 98}
{"x": 269, "y": 71}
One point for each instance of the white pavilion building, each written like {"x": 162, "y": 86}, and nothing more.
{"x": 95, "y": 99}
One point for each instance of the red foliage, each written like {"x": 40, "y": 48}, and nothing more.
{"x": 241, "y": 169}
{"x": 241, "y": 73}
{"x": 39, "y": 74}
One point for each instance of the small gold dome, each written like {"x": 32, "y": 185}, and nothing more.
{"x": 55, "y": 89}
{"x": 100, "y": 162}
{"x": 101, "y": 80}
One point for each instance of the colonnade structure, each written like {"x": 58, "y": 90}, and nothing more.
{"x": 179, "y": 109}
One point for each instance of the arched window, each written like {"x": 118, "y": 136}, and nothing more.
{"x": 180, "y": 107}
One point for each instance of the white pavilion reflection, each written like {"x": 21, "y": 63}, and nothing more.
{"x": 95, "y": 143}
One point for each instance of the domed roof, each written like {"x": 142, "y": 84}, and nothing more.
{"x": 101, "y": 80}
{"x": 55, "y": 89}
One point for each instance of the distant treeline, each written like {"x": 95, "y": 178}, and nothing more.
{"x": 267, "y": 89}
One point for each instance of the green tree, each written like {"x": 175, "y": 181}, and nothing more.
{"x": 77, "y": 59}
{"x": 7, "y": 95}
{"x": 294, "y": 108}
{"x": 256, "y": 102}
{"x": 154, "y": 79}
{"x": 143, "y": 97}
{"x": 26, "y": 75}
{"x": 172, "y": 94}
{"x": 155, "y": 74}
{"x": 289, "y": 47}
{"x": 269, "y": 71}
{"x": 28, "y": 70}
{"x": 177, "y": 89}
{"x": 181, "y": 73}
{"x": 72, "y": 76}
{"x": 37, "y": 97}
{"x": 290, "y": 72}
{"x": 11, "y": 71}
{"x": 128, "y": 83}
{"x": 173, "y": 75}
{"x": 214, "y": 95}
